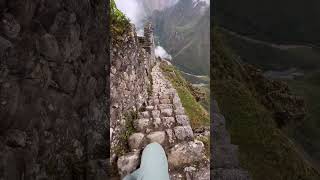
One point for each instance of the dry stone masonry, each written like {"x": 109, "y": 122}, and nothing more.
{"x": 130, "y": 83}
{"x": 165, "y": 122}
{"x": 52, "y": 89}
{"x": 146, "y": 108}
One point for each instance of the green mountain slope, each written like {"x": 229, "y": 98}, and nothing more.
{"x": 184, "y": 31}
{"x": 265, "y": 151}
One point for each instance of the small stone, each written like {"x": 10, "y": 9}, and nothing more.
{"x": 149, "y": 108}
{"x": 50, "y": 107}
{"x": 165, "y": 106}
{"x": 156, "y": 122}
{"x": 128, "y": 163}
{"x": 10, "y": 26}
{"x": 182, "y": 120}
{"x": 158, "y": 136}
{"x": 4, "y": 45}
{"x": 183, "y": 132}
{"x": 49, "y": 46}
{"x": 171, "y": 136}
{"x": 179, "y": 111}
{"x": 165, "y": 101}
{"x": 155, "y": 113}
{"x": 186, "y": 153}
{"x": 16, "y": 138}
{"x": 166, "y": 112}
{"x": 144, "y": 114}
{"x": 141, "y": 124}
{"x": 156, "y": 101}
{"x": 136, "y": 141}
{"x": 168, "y": 121}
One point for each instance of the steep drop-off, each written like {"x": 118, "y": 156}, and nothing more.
{"x": 184, "y": 31}
{"x": 255, "y": 108}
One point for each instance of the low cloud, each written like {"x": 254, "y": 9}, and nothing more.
{"x": 161, "y": 52}
{"x": 136, "y": 10}
{"x": 133, "y": 10}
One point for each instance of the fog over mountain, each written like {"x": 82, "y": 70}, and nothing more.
{"x": 182, "y": 28}
{"x": 138, "y": 10}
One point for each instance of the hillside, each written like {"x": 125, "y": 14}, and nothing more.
{"x": 272, "y": 56}
{"x": 265, "y": 151}
{"x": 281, "y": 21}
{"x": 184, "y": 31}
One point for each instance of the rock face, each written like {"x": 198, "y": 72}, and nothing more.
{"x": 186, "y": 156}
{"x": 53, "y": 89}
{"x": 131, "y": 63}
{"x": 224, "y": 155}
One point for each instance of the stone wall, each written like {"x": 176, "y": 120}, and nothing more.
{"x": 52, "y": 89}
{"x": 131, "y": 66}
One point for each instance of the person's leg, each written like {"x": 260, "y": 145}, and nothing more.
{"x": 133, "y": 176}
{"x": 154, "y": 164}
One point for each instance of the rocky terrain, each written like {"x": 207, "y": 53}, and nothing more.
{"x": 53, "y": 89}
{"x": 164, "y": 121}
{"x": 146, "y": 108}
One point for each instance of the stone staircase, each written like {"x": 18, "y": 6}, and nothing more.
{"x": 164, "y": 121}
{"x": 224, "y": 160}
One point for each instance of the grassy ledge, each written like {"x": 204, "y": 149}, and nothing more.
{"x": 198, "y": 115}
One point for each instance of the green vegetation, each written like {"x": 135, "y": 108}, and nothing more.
{"x": 197, "y": 114}
{"x": 119, "y": 22}
{"x": 264, "y": 150}
{"x": 308, "y": 133}
{"x": 185, "y": 36}
{"x": 123, "y": 146}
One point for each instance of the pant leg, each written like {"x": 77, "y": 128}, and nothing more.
{"x": 154, "y": 164}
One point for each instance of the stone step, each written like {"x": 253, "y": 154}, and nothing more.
{"x": 230, "y": 174}
{"x": 186, "y": 153}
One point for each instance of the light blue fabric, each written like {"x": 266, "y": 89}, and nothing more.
{"x": 154, "y": 164}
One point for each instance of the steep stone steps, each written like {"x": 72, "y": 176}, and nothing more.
{"x": 164, "y": 121}
{"x": 224, "y": 160}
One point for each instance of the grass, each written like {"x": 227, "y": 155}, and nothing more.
{"x": 119, "y": 22}
{"x": 123, "y": 146}
{"x": 308, "y": 133}
{"x": 198, "y": 115}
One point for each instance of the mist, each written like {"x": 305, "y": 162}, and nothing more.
{"x": 138, "y": 10}
{"x": 133, "y": 10}
{"x": 161, "y": 52}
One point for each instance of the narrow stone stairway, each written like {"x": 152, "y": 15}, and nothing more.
{"x": 164, "y": 121}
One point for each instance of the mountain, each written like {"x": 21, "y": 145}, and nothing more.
{"x": 282, "y": 21}
{"x": 184, "y": 31}
{"x": 150, "y": 6}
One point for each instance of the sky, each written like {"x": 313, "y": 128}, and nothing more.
{"x": 132, "y": 10}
